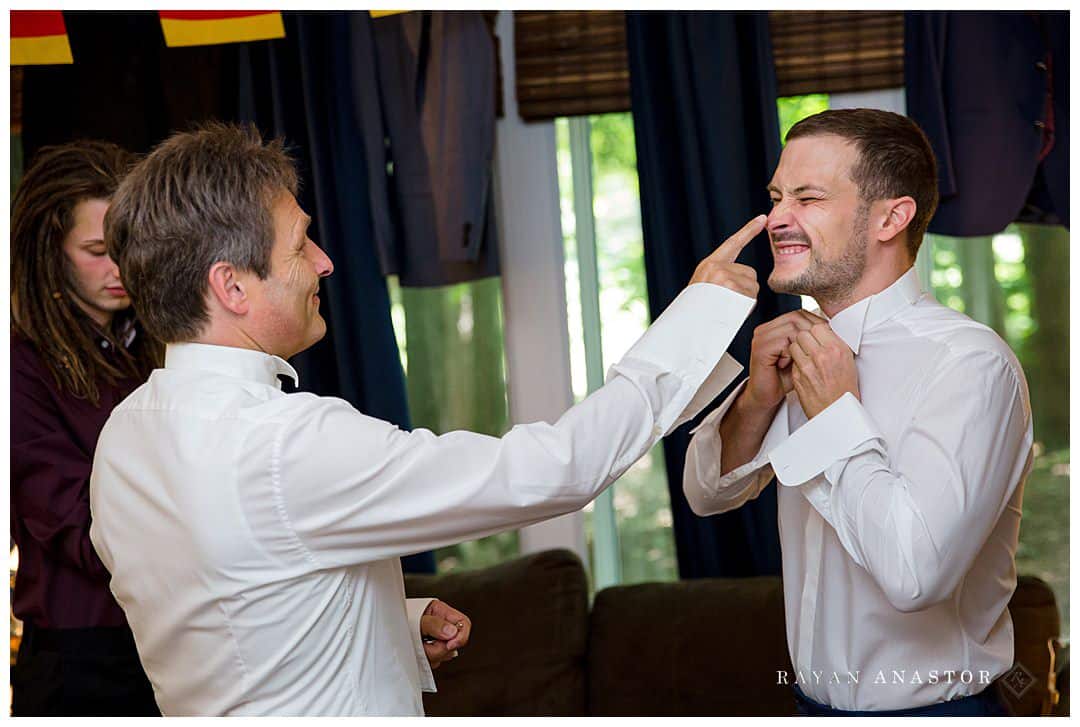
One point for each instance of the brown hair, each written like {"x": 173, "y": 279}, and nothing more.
{"x": 895, "y": 159}
{"x": 42, "y": 309}
{"x": 200, "y": 197}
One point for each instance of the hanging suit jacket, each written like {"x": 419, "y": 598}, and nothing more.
{"x": 991, "y": 91}
{"x": 436, "y": 85}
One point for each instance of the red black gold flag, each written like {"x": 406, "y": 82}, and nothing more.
{"x": 39, "y": 37}
{"x": 211, "y": 27}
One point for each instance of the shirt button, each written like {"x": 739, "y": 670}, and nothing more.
{"x": 656, "y": 431}
{"x": 1040, "y": 65}
{"x": 1040, "y": 125}
{"x": 104, "y": 344}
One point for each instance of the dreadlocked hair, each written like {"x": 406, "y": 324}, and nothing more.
{"x": 43, "y": 310}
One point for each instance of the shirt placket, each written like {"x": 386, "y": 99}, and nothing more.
{"x": 813, "y": 537}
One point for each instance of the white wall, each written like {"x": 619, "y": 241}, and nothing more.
{"x": 533, "y": 280}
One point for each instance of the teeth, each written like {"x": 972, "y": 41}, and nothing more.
{"x": 793, "y": 250}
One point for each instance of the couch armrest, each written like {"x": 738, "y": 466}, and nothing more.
{"x": 1036, "y": 625}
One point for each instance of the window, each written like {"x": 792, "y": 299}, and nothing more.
{"x": 629, "y": 528}
{"x": 1016, "y": 283}
{"x": 451, "y": 343}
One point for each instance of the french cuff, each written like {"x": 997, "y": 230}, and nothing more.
{"x": 823, "y": 444}
{"x": 688, "y": 342}
{"x": 712, "y": 420}
{"x": 706, "y": 443}
{"x": 415, "y": 608}
{"x": 701, "y": 473}
{"x": 723, "y": 374}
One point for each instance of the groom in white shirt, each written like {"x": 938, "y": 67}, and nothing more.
{"x": 254, "y": 536}
{"x": 899, "y": 432}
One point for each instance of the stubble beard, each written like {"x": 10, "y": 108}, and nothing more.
{"x": 832, "y": 281}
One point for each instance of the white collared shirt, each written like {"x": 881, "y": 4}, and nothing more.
{"x": 253, "y": 536}
{"x": 899, "y": 513}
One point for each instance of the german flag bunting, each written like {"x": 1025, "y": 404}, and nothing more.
{"x": 212, "y": 27}
{"x": 39, "y": 37}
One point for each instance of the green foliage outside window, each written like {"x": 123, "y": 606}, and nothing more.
{"x": 451, "y": 343}
{"x": 1017, "y": 283}
{"x": 641, "y": 500}
{"x": 793, "y": 109}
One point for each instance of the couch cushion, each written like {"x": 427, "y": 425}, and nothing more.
{"x": 1036, "y": 621}
{"x": 700, "y": 647}
{"x": 526, "y": 653}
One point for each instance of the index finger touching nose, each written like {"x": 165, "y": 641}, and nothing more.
{"x": 731, "y": 247}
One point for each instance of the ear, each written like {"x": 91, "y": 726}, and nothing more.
{"x": 898, "y": 215}
{"x": 227, "y": 288}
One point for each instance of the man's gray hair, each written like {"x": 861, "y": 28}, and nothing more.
{"x": 200, "y": 197}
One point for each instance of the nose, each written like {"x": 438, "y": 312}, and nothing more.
{"x": 779, "y": 218}
{"x": 324, "y": 266}
{"x": 114, "y": 269}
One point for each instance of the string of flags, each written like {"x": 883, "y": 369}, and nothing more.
{"x": 39, "y": 37}
{"x": 214, "y": 27}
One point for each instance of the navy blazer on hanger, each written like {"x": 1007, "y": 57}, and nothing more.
{"x": 991, "y": 91}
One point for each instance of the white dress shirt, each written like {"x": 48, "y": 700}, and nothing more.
{"x": 253, "y": 536}
{"x": 899, "y": 513}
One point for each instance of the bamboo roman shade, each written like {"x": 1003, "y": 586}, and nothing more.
{"x": 836, "y": 51}
{"x": 570, "y": 63}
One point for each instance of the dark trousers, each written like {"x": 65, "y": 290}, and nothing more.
{"x": 80, "y": 672}
{"x": 984, "y": 704}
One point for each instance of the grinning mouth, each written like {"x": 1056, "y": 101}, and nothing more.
{"x": 782, "y": 249}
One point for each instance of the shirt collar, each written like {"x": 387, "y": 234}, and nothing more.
{"x": 125, "y": 335}
{"x": 241, "y": 363}
{"x": 850, "y": 323}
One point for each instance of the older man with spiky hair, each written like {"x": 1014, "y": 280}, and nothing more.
{"x": 254, "y": 536}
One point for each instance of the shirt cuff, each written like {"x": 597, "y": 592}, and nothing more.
{"x": 828, "y": 439}
{"x": 675, "y": 345}
{"x": 707, "y": 491}
{"x": 415, "y": 608}
{"x": 723, "y": 374}
{"x": 706, "y": 437}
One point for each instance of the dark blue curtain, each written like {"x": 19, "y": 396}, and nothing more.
{"x": 304, "y": 88}
{"x": 703, "y": 95}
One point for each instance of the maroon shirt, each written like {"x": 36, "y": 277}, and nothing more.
{"x": 61, "y": 582}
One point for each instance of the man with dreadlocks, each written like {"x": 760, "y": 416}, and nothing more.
{"x": 76, "y": 351}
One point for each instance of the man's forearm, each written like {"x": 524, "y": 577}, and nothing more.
{"x": 742, "y": 430}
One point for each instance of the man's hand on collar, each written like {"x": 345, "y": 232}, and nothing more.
{"x": 822, "y": 369}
